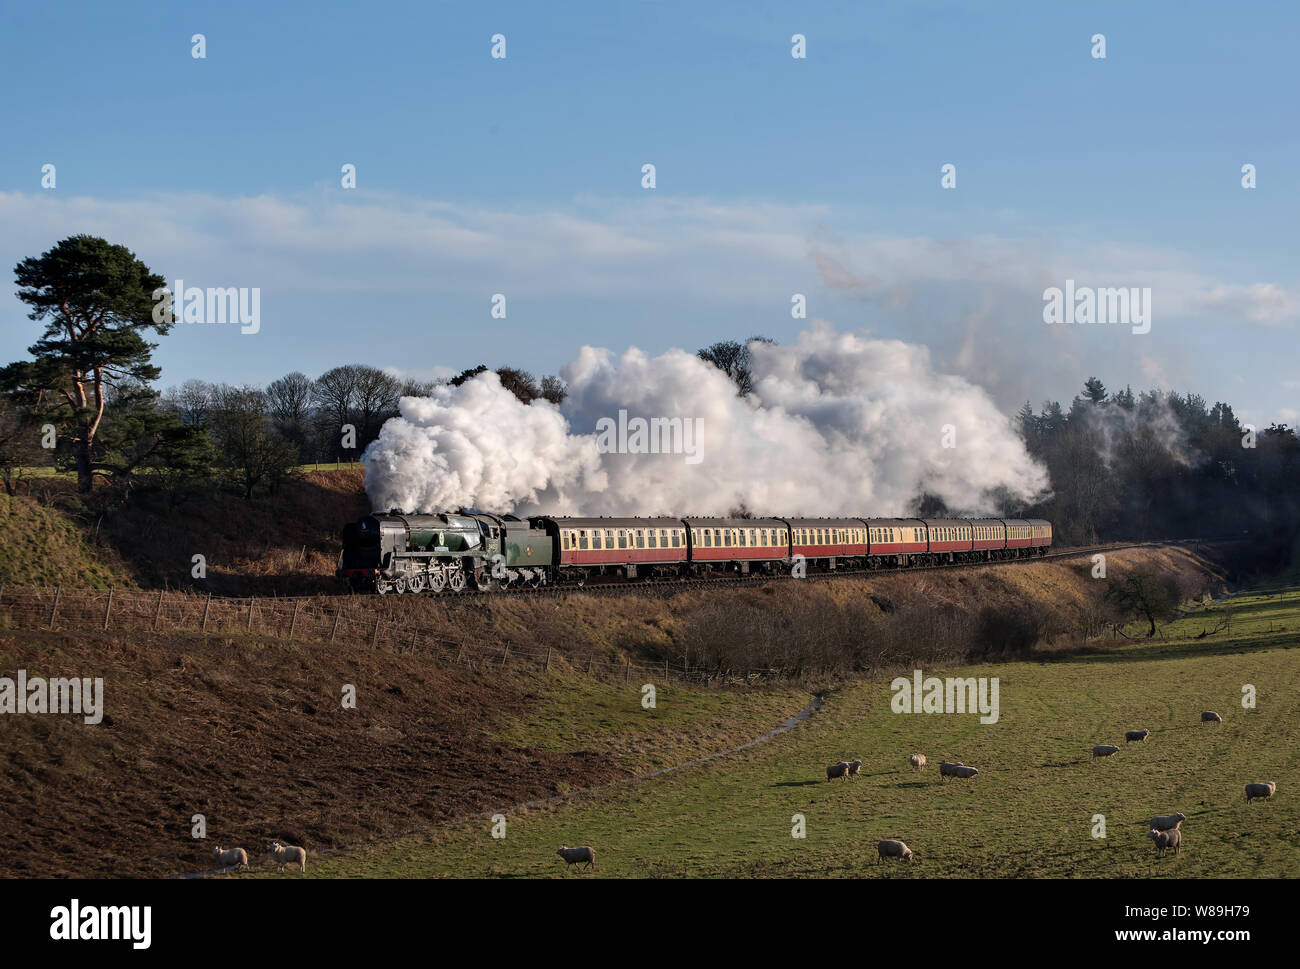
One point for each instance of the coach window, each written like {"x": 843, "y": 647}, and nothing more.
{"x": 650, "y": 535}
{"x": 726, "y": 538}
{"x": 622, "y": 538}
{"x": 609, "y": 538}
{"x": 640, "y": 538}
{"x": 708, "y": 538}
{"x": 582, "y": 538}
{"x": 595, "y": 539}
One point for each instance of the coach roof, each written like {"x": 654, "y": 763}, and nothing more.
{"x": 614, "y": 522}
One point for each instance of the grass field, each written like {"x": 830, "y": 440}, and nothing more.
{"x": 1030, "y": 813}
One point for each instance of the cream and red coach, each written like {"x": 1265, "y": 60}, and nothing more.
{"x": 631, "y": 547}
{"x": 739, "y": 543}
{"x": 950, "y": 538}
{"x": 896, "y": 541}
{"x": 825, "y": 540}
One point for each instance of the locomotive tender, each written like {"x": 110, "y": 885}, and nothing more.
{"x": 395, "y": 552}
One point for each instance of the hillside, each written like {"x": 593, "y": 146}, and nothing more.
{"x": 1032, "y": 811}
{"x": 254, "y": 736}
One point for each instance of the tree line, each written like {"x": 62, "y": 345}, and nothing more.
{"x": 1160, "y": 464}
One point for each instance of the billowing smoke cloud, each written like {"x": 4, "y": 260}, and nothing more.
{"x": 838, "y": 424}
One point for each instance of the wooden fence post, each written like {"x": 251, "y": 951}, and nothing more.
{"x": 293, "y": 623}
{"x": 251, "y": 603}
{"x": 207, "y": 604}
{"x": 460, "y": 648}
{"x": 58, "y": 591}
{"x": 108, "y": 607}
{"x": 157, "y": 612}
{"x": 589, "y": 663}
{"x": 665, "y": 669}
{"x": 336, "y": 623}
{"x": 548, "y": 654}
{"x": 627, "y": 672}
{"x": 374, "y": 640}
{"x": 504, "y": 653}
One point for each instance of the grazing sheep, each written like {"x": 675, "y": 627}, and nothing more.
{"x": 575, "y": 856}
{"x": 1138, "y": 735}
{"x": 955, "y": 770}
{"x": 1267, "y": 789}
{"x": 917, "y": 761}
{"x": 289, "y": 855}
{"x": 1173, "y": 838}
{"x": 1166, "y": 821}
{"x": 893, "y": 849}
{"x": 1210, "y": 716}
{"x": 1104, "y": 750}
{"x": 235, "y": 856}
{"x": 855, "y": 768}
{"x": 837, "y": 770}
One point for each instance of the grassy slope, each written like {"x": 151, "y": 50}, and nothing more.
{"x": 282, "y": 545}
{"x": 1029, "y": 813}
{"x": 579, "y": 714}
{"x": 41, "y": 545}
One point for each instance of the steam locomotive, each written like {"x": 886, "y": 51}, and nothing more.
{"x": 453, "y": 552}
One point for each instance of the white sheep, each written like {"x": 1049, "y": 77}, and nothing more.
{"x": 917, "y": 761}
{"x": 855, "y": 768}
{"x": 893, "y": 849}
{"x": 1173, "y": 838}
{"x": 289, "y": 855}
{"x": 235, "y": 856}
{"x": 837, "y": 770}
{"x": 1104, "y": 750}
{"x": 1266, "y": 789}
{"x": 1209, "y": 716}
{"x": 955, "y": 770}
{"x": 1166, "y": 821}
{"x": 574, "y": 856}
{"x": 1138, "y": 735}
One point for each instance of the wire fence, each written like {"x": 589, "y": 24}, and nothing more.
{"x": 324, "y": 621}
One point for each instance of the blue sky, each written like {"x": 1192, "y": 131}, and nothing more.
{"x": 774, "y": 176}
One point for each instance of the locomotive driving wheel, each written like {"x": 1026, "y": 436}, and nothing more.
{"x": 417, "y": 582}
{"x": 457, "y": 580}
{"x": 438, "y": 579}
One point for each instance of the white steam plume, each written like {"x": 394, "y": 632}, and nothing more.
{"x": 837, "y": 424}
